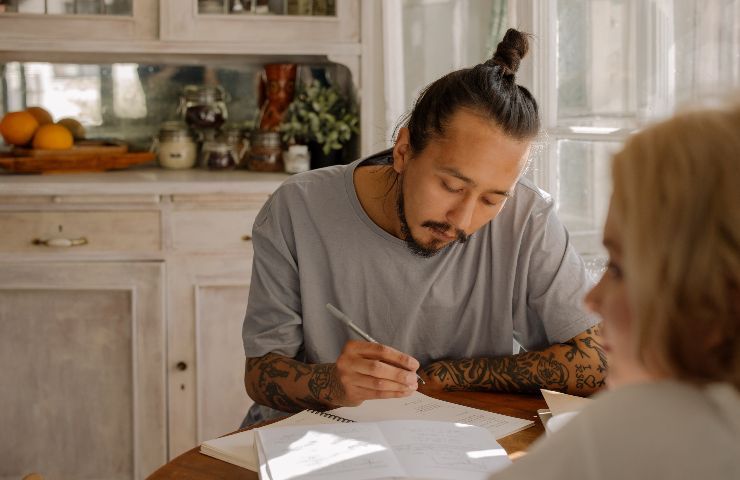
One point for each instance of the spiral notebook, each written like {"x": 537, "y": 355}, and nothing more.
{"x": 239, "y": 448}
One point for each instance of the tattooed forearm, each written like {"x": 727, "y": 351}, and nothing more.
{"x": 289, "y": 385}
{"x": 577, "y": 366}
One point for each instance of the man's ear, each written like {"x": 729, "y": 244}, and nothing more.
{"x": 401, "y": 150}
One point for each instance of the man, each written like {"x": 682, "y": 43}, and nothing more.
{"x": 405, "y": 243}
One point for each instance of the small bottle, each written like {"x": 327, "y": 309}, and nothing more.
{"x": 297, "y": 159}
{"x": 175, "y": 147}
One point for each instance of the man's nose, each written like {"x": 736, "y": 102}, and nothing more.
{"x": 461, "y": 216}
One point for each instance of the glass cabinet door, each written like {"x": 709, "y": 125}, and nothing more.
{"x": 294, "y": 22}
{"x": 76, "y": 21}
{"x": 321, "y": 8}
{"x": 70, "y": 7}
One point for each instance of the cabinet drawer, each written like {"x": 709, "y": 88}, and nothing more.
{"x": 213, "y": 231}
{"x": 88, "y": 231}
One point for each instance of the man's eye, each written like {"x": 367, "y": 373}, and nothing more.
{"x": 450, "y": 188}
{"x": 488, "y": 203}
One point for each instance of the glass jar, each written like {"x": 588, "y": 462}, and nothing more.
{"x": 216, "y": 155}
{"x": 175, "y": 147}
{"x": 203, "y": 106}
{"x": 234, "y": 135}
{"x": 265, "y": 153}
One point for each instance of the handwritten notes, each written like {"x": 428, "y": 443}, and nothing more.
{"x": 402, "y": 448}
{"x": 422, "y": 407}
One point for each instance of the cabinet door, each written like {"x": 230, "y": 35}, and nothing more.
{"x": 207, "y": 301}
{"x": 187, "y": 20}
{"x": 83, "y": 389}
{"x": 80, "y": 21}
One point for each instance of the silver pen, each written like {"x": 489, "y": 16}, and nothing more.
{"x": 339, "y": 315}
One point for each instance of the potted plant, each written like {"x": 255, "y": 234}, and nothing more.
{"x": 321, "y": 118}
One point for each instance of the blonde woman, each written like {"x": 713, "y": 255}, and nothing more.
{"x": 670, "y": 306}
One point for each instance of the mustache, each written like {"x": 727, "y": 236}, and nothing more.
{"x": 462, "y": 237}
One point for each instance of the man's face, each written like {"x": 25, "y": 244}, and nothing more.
{"x": 457, "y": 183}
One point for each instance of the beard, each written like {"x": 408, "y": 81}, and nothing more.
{"x": 433, "y": 247}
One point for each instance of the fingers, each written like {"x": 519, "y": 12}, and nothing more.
{"x": 387, "y": 375}
{"x": 369, "y": 371}
{"x": 384, "y": 353}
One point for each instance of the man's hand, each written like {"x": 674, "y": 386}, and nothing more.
{"x": 371, "y": 370}
{"x": 363, "y": 371}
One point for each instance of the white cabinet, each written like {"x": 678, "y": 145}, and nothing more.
{"x": 208, "y": 285}
{"x": 123, "y": 350}
{"x": 82, "y": 346}
{"x": 140, "y": 25}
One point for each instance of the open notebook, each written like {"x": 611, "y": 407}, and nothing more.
{"x": 239, "y": 448}
{"x": 388, "y": 449}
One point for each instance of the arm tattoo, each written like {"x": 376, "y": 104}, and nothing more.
{"x": 276, "y": 373}
{"x": 578, "y": 365}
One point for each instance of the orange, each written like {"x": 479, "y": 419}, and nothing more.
{"x": 17, "y": 128}
{"x": 78, "y": 131}
{"x": 52, "y": 137}
{"x": 41, "y": 115}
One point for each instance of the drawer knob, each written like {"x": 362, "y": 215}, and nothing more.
{"x": 182, "y": 366}
{"x": 247, "y": 238}
{"x": 60, "y": 242}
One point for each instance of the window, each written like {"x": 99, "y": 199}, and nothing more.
{"x": 602, "y": 69}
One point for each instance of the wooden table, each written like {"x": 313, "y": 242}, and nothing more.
{"x": 193, "y": 465}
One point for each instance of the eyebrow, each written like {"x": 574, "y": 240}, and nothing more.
{"x": 472, "y": 183}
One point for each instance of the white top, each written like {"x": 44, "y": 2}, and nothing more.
{"x": 665, "y": 430}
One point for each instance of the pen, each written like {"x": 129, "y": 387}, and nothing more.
{"x": 345, "y": 320}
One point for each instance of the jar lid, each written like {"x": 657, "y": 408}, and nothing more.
{"x": 298, "y": 149}
{"x": 216, "y": 146}
{"x": 204, "y": 93}
{"x": 173, "y": 129}
{"x": 266, "y": 139}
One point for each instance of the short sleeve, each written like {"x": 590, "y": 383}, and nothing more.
{"x": 273, "y": 321}
{"x": 555, "y": 283}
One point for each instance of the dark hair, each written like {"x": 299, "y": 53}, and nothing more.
{"x": 488, "y": 89}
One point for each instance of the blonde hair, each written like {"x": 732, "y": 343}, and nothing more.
{"x": 677, "y": 195}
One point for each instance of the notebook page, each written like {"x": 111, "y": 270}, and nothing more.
{"x": 422, "y": 407}
{"x": 239, "y": 448}
{"x": 443, "y": 450}
{"x": 562, "y": 402}
{"x": 327, "y": 452}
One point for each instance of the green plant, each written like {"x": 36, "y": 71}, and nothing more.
{"x": 320, "y": 114}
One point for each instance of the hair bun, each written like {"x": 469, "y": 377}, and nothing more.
{"x": 510, "y": 51}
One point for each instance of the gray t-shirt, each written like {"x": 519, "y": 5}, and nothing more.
{"x": 517, "y": 277}
{"x": 665, "y": 430}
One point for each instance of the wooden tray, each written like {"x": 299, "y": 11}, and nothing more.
{"x": 82, "y": 147}
{"x": 67, "y": 162}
